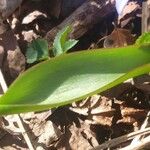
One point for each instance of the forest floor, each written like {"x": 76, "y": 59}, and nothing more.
{"x": 95, "y": 120}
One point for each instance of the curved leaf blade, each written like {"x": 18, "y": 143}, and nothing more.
{"x": 71, "y": 77}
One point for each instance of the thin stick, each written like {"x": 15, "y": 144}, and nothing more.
{"x": 122, "y": 139}
{"x": 144, "y": 125}
{"x": 84, "y": 18}
{"x": 2, "y": 82}
{"x": 19, "y": 119}
{"x": 139, "y": 145}
{"x": 145, "y": 16}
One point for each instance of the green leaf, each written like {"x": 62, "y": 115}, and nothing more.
{"x": 61, "y": 43}
{"x": 144, "y": 39}
{"x": 74, "y": 76}
{"x": 37, "y": 50}
{"x": 69, "y": 44}
{"x": 31, "y": 55}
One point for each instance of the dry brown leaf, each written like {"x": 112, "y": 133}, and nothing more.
{"x": 46, "y": 133}
{"x": 14, "y": 61}
{"x": 98, "y": 110}
{"x": 133, "y": 112}
{"x": 129, "y": 12}
{"x": 93, "y": 105}
{"x": 7, "y": 7}
{"x": 143, "y": 83}
{"x": 77, "y": 138}
{"x": 119, "y": 38}
{"x": 105, "y": 120}
{"x": 3, "y": 27}
{"x": 132, "y": 116}
{"x": 131, "y": 7}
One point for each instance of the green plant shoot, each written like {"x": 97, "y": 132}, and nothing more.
{"x": 72, "y": 77}
{"x": 62, "y": 43}
{"x": 37, "y": 50}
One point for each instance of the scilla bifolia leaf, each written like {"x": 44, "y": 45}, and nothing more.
{"x": 71, "y": 77}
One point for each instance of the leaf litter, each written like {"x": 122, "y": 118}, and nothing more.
{"x": 85, "y": 124}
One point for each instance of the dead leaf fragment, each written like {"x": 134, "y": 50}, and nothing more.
{"x": 133, "y": 112}
{"x": 76, "y": 138}
{"x": 132, "y": 116}
{"x": 7, "y": 7}
{"x": 98, "y": 110}
{"x": 46, "y": 132}
{"x": 119, "y": 38}
{"x": 102, "y": 119}
{"x": 143, "y": 83}
{"x": 95, "y": 104}
{"x": 16, "y": 61}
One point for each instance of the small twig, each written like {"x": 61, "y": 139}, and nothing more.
{"x": 145, "y": 17}
{"x": 19, "y": 119}
{"x": 139, "y": 145}
{"x": 122, "y": 139}
{"x": 144, "y": 125}
{"x": 2, "y": 82}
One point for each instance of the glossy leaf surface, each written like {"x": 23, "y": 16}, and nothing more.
{"x": 74, "y": 76}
